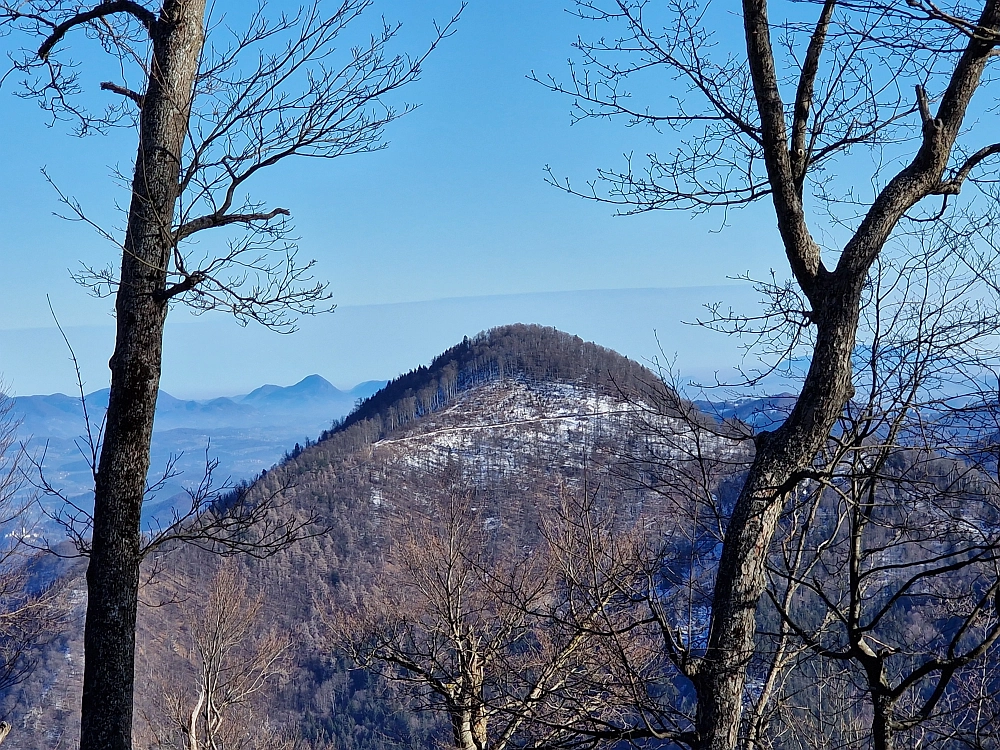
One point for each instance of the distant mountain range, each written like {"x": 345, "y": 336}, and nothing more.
{"x": 244, "y": 433}
{"x": 762, "y": 413}
{"x": 313, "y": 402}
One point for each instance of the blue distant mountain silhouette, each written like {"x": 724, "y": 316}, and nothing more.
{"x": 307, "y": 407}
{"x": 244, "y": 433}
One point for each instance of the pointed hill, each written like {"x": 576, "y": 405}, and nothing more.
{"x": 530, "y": 353}
{"x": 311, "y": 388}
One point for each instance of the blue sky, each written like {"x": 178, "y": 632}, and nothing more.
{"x": 456, "y": 207}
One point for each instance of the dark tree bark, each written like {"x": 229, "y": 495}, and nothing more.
{"x": 835, "y": 297}
{"x": 888, "y": 567}
{"x": 141, "y": 307}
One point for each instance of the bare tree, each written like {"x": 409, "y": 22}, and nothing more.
{"x": 889, "y": 561}
{"x": 515, "y": 640}
{"x": 209, "y": 117}
{"x": 617, "y": 590}
{"x": 883, "y": 90}
{"x": 31, "y": 611}
{"x": 230, "y": 663}
{"x": 913, "y": 604}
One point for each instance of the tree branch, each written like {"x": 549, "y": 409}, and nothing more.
{"x": 221, "y": 219}
{"x": 802, "y": 251}
{"x": 804, "y": 94}
{"x": 122, "y": 91}
{"x": 189, "y": 282}
{"x": 954, "y": 185}
{"x": 922, "y": 176}
{"x": 923, "y": 105}
{"x": 107, "y": 8}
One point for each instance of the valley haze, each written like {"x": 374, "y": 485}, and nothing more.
{"x": 245, "y": 434}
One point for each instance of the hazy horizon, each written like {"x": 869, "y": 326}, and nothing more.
{"x": 454, "y": 219}
{"x": 359, "y": 343}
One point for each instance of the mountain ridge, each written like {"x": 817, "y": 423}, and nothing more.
{"x": 38, "y": 412}
{"x": 529, "y": 351}
{"x": 525, "y": 424}
{"x": 244, "y": 437}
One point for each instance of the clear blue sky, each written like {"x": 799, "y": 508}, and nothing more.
{"x": 457, "y": 206}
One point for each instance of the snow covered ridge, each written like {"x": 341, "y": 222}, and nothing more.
{"x": 517, "y": 351}
{"x": 559, "y": 409}
{"x": 556, "y": 422}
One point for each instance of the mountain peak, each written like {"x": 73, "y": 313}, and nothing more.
{"x": 310, "y": 387}
{"x": 314, "y": 384}
{"x": 531, "y": 352}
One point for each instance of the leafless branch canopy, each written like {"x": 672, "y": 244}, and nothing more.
{"x": 841, "y": 90}
{"x": 31, "y": 612}
{"x": 520, "y": 642}
{"x": 269, "y": 87}
{"x": 214, "y": 694}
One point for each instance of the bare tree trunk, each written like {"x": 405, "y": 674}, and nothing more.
{"x": 192, "y": 729}
{"x": 881, "y": 731}
{"x": 835, "y": 297}
{"x": 141, "y": 307}
{"x": 780, "y": 455}
{"x": 468, "y": 715}
{"x": 469, "y": 730}
{"x": 751, "y": 124}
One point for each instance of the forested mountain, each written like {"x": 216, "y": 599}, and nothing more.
{"x": 519, "y": 351}
{"x": 536, "y": 521}
{"x": 524, "y": 410}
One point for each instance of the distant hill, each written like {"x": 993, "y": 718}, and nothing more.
{"x": 313, "y": 401}
{"x": 246, "y": 433}
{"x": 763, "y": 413}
